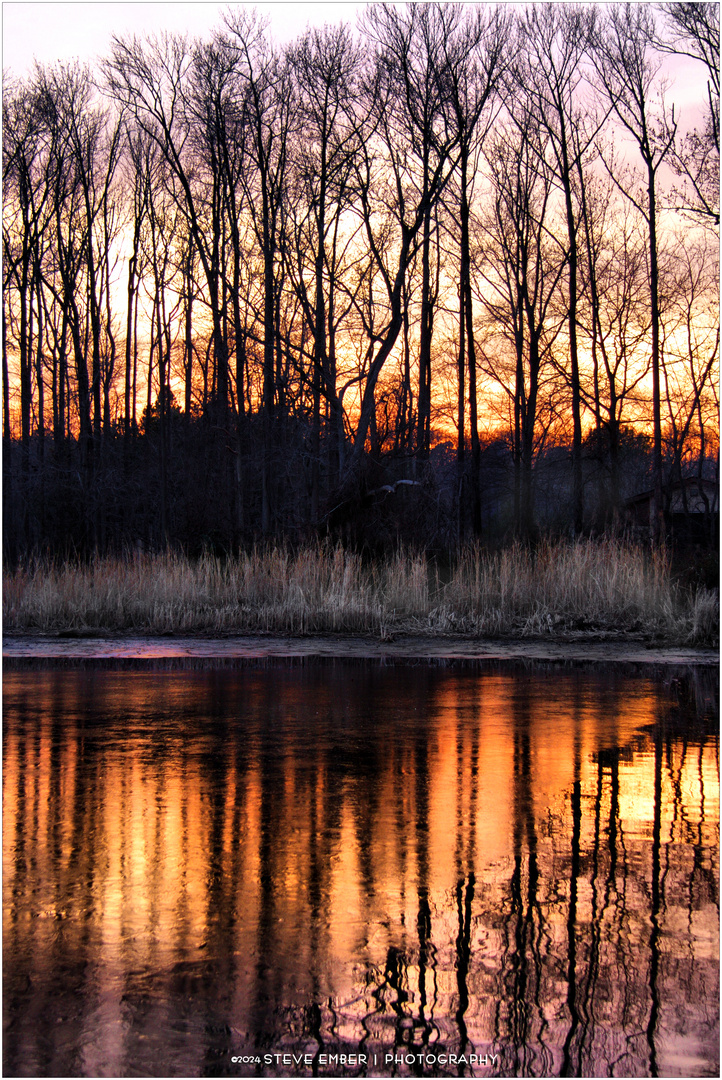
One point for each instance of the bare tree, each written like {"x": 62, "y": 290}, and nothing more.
{"x": 692, "y": 29}
{"x": 140, "y": 174}
{"x": 476, "y": 51}
{"x": 269, "y": 105}
{"x": 621, "y": 50}
{"x": 550, "y": 69}
{"x": 150, "y": 81}
{"x": 695, "y": 32}
{"x": 523, "y": 267}
{"x": 25, "y": 194}
{"x": 691, "y": 346}
{"x": 326, "y": 66}
{"x": 616, "y": 319}
{"x": 404, "y": 164}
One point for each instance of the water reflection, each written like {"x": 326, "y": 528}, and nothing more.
{"x": 421, "y": 867}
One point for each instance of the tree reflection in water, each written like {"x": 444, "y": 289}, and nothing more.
{"x": 364, "y": 859}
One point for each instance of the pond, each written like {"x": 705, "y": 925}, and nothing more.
{"x": 339, "y": 867}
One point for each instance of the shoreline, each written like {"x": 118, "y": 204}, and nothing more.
{"x": 71, "y": 646}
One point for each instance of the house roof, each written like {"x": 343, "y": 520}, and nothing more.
{"x": 689, "y": 484}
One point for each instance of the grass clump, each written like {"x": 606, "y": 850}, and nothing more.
{"x": 589, "y": 586}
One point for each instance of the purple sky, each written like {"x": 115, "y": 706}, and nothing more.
{"x": 63, "y": 31}
{"x": 50, "y": 32}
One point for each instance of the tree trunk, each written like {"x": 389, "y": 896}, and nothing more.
{"x": 657, "y": 504}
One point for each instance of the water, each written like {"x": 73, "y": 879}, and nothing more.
{"x": 331, "y": 868}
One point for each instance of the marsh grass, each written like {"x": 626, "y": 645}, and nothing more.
{"x": 590, "y": 586}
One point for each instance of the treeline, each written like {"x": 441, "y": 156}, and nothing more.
{"x": 374, "y": 282}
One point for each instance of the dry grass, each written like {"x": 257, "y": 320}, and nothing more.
{"x": 588, "y": 586}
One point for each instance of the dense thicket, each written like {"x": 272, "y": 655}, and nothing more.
{"x": 450, "y": 273}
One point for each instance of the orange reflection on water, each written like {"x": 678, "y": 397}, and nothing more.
{"x": 523, "y": 864}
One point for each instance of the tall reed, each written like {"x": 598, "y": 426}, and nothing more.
{"x": 589, "y": 585}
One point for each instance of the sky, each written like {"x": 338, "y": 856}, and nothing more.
{"x": 50, "y": 32}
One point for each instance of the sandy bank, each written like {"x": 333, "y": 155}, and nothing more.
{"x": 108, "y": 647}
